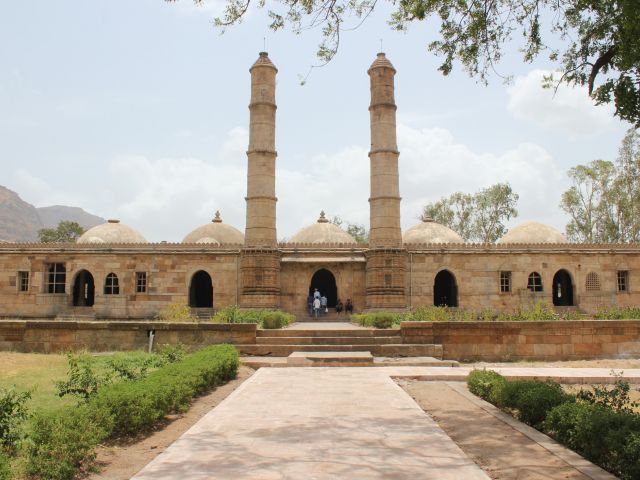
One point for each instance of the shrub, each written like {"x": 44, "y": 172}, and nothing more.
{"x": 532, "y": 399}
{"x": 176, "y": 312}
{"x": 5, "y": 468}
{"x": 608, "y": 438}
{"x": 13, "y": 412}
{"x": 82, "y": 380}
{"x": 617, "y": 313}
{"x": 172, "y": 353}
{"x": 377, "y": 319}
{"x": 265, "y": 318}
{"x": 616, "y": 398}
{"x": 485, "y": 383}
{"x": 63, "y": 441}
{"x": 276, "y": 319}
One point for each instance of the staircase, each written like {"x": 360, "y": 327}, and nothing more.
{"x": 302, "y": 316}
{"x": 379, "y": 342}
{"x": 202, "y": 314}
{"x": 77, "y": 314}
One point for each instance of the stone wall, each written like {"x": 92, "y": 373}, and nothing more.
{"x": 59, "y": 336}
{"x": 505, "y": 341}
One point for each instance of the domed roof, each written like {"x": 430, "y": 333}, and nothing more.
{"x": 429, "y": 231}
{"x": 381, "y": 61}
{"x": 322, "y": 232}
{"x": 216, "y": 232}
{"x": 111, "y": 232}
{"x": 533, "y": 232}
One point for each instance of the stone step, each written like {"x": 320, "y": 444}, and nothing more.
{"x": 330, "y": 359}
{"x": 388, "y": 350}
{"x": 328, "y": 340}
{"x": 280, "y": 362}
{"x": 361, "y": 332}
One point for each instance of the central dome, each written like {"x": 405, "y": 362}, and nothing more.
{"x": 111, "y": 232}
{"x": 216, "y": 232}
{"x": 533, "y": 232}
{"x": 429, "y": 231}
{"x": 322, "y": 232}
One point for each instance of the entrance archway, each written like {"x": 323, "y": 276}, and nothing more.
{"x": 201, "y": 290}
{"x": 445, "y": 290}
{"x": 562, "y": 289}
{"x": 84, "y": 289}
{"x": 325, "y": 282}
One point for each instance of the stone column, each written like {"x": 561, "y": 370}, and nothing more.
{"x": 386, "y": 258}
{"x": 260, "y": 261}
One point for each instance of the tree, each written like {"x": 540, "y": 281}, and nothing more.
{"x": 357, "y": 231}
{"x": 603, "y": 201}
{"x": 479, "y": 217}
{"x": 66, "y": 231}
{"x": 598, "y": 40}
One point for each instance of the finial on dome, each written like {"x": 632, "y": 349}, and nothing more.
{"x": 217, "y": 218}
{"x": 113, "y": 220}
{"x": 322, "y": 218}
{"x": 427, "y": 219}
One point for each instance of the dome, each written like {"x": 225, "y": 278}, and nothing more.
{"x": 322, "y": 232}
{"x": 533, "y": 232}
{"x": 111, "y": 232}
{"x": 381, "y": 61}
{"x": 429, "y": 231}
{"x": 216, "y": 233}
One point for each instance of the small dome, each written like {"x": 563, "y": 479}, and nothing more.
{"x": 533, "y": 232}
{"x": 429, "y": 231}
{"x": 381, "y": 61}
{"x": 216, "y": 233}
{"x": 322, "y": 232}
{"x": 111, "y": 232}
{"x": 263, "y": 61}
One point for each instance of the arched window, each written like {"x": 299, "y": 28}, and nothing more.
{"x": 534, "y": 283}
{"x": 592, "y": 283}
{"x": 111, "y": 286}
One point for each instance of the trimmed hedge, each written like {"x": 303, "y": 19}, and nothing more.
{"x": 532, "y": 399}
{"x": 485, "y": 384}
{"x": 267, "y": 319}
{"x": 5, "y": 468}
{"x": 61, "y": 442}
{"x": 377, "y": 319}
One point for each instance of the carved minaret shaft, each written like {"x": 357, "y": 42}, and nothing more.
{"x": 261, "y": 198}
{"x": 384, "y": 203}
{"x": 386, "y": 258}
{"x": 260, "y": 261}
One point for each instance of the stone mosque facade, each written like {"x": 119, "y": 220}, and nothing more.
{"x": 112, "y": 272}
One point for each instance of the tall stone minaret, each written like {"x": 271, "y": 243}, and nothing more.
{"x": 260, "y": 259}
{"x": 386, "y": 258}
{"x": 261, "y": 198}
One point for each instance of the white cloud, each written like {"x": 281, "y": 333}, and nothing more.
{"x": 38, "y": 192}
{"x": 570, "y": 111}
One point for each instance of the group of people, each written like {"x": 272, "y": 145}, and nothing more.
{"x": 317, "y": 304}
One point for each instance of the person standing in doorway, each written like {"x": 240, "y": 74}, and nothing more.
{"x": 310, "y": 304}
{"x": 316, "y": 306}
{"x": 339, "y": 307}
{"x": 348, "y": 307}
{"x": 323, "y": 304}
{"x": 316, "y": 294}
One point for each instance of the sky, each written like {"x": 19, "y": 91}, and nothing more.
{"x": 139, "y": 111}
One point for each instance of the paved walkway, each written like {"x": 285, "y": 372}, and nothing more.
{"x": 325, "y": 326}
{"x": 314, "y": 423}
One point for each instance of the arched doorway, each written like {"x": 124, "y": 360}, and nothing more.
{"x": 201, "y": 290}
{"x": 325, "y": 282}
{"x": 84, "y": 289}
{"x": 445, "y": 290}
{"x": 562, "y": 289}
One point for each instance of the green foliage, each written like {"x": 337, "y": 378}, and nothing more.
{"x": 614, "y": 397}
{"x": 13, "y": 411}
{"x": 607, "y": 437}
{"x": 268, "y": 319}
{"x": 532, "y": 399}
{"x": 65, "y": 232}
{"x": 485, "y": 384}
{"x": 172, "y": 353}
{"x": 618, "y": 313}
{"x": 176, "y": 312}
{"x": 5, "y": 467}
{"x": 82, "y": 380}
{"x": 358, "y": 231}
{"x": 479, "y": 217}
{"x": 62, "y": 442}
{"x": 377, "y": 319}
{"x": 604, "y": 199}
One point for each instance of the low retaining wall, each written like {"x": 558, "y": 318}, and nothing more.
{"x": 557, "y": 340}
{"x": 57, "y": 336}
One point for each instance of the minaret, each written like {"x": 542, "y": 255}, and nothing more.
{"x": 260, "y": 259}
{"x": 384, "y": 202}
{"x": 261, "y": 198}
{"x": 386, "y": 258}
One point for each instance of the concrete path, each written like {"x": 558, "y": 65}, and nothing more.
{"x": 325, "y": 326}
{"x": 314, "y": 423}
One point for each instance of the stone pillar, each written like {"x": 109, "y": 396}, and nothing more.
{"x": 260, "y": 260}
{"x": 386, "y": 258}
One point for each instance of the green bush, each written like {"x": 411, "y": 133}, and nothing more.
{"x": 176, "y": 312}
{"x": 485, "y": 383}
{"x": 531, "y": 398}
{"x": 272, "y": 320}
{"x": 61, "y": 442}
{"x": 82, "y": 380}
{"x": 608, "y": 438}
{"x": 616, "y": 397}
{"x": 268, "y": 319}
{"x": 377, "y": 319}
{"x": 618, "y": 313}
{"x": 5, "y": 467}
{"x": 13, "y": 412}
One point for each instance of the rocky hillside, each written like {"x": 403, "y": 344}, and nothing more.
{"x": 20, "y": 221}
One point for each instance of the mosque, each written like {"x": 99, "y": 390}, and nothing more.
{"x": 112, "y": 272}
